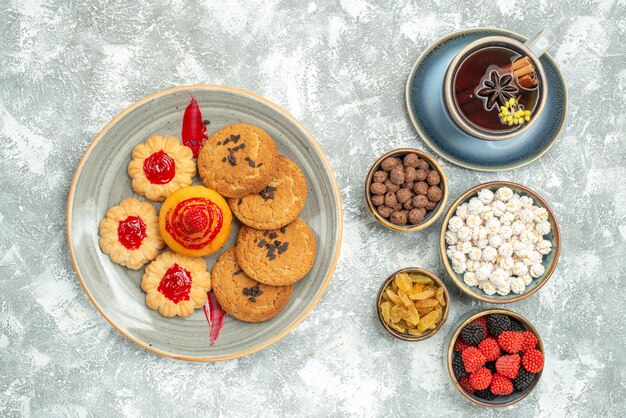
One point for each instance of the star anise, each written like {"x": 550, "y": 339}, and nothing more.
{"x": 497, "y": 89}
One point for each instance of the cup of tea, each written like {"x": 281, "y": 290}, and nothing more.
{"x": 495, "y": 88}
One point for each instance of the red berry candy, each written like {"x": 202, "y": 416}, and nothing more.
{"x": 501, "y": 385}
{"x": 530, "y": 341}
{"x": 480, "y": 379}
{"x": 483, "y": 322}
{"x": 473, "y": 359}
{"x": 508, "y": 366}
{"x": 533, "y": 361}
{"x": 490, "y": 348}
{"x": 511, "y": 341}
{"x": 465, "y": 384}
{"x": 460, "y": 345}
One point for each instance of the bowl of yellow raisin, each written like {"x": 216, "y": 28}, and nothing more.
{"x": 413, "y": 304}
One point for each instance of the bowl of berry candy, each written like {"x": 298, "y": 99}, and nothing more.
{"x": 495, "y": 358}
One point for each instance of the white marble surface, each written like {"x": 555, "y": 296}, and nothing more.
{"x": 340, "y": 67}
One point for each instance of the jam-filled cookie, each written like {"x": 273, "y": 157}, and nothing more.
{"x": 175, "y": 284}
{"x": 238, "y": 160}
{"x": 160, "y": 166}
{"x": 242, "y": 297}
{"x": 195, "y": 221}
{"x": 277, "y": 257}
{"x": 278, "y": 204}
{"x": 129, "y": 233}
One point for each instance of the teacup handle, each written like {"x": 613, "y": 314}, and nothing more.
{"x": 540, "y": 43}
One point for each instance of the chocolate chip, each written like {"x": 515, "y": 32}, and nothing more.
{"x": 235, "y": 138}
{"x": 239, "y": 202}
{"x": 242, "y": 145}
{"x": 266, "y": 233}
{"x": 273, "y": 235}
{"x": 262, "y": 243}
{"x": 250, "y": 162}
{"x": 252, "y": 299}
{"x": 224, "y": 159}
{"x": 283, "y": 229}
{"x": 259, "y": 165}
{"x": 219, "y": 142}
{"x": 238, "y": 272}
{"x": 206, "y": 122}
{"x": 283, "y": 247}
{"x": 226, "y": 141}
{"x": 268, "y": 192}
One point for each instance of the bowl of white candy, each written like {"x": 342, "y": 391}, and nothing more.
{"x": 500, "y": 242}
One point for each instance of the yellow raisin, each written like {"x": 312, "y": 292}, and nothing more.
{"x": 424, "y": 311}
{"x": 418, "y": 278}
{"x": 404, "y": 298}
{"x": 439, "y": 309}
{"x": 385, "y": 311}
{"x": 440, "y": 297}
{"x": 415, "y": 316}
{"x": 427, "y": 321}
{"x": 430, "y": 287}
{"x": 398, "y": 328}
{"x": 414, "y": 331}
{"x": 426, "y": 303}
{"x": 425, "y": 294}
{"x": 394, "y": 314}
{"x": 393, "y": 296}
{"x": 417, "y": 287}
{"x": 403, "y": 281}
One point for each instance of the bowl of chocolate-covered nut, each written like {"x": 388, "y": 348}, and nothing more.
{"x": 406, "y": 190}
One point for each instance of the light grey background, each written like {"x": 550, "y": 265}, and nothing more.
{"x": 66, "y": 69}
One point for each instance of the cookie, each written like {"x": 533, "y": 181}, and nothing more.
{"x": 160, "y": 166}
{"x": 238, "y": 160}
{"x": 277, "y": 204}
{"x": 245, "y": 298}
{"x": 277, "y": 257}
{"x": 176, "y": 284}
{"x": 129, "y": 233}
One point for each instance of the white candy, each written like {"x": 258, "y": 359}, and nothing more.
{"x": 541, "y": 214}
{"x": 474, "y": 253}
{"x": 489, "y": 288}
{"x": 475, "y": 205}
{"x": 513, "y": 206}
{"x": 462, "y": 211}
{"x": 473, "y": 221}
{"x": 471, "y": 265}
{"x": 498, "y": 208}
{"x": 504, "y": 289}
{"x": 535, "y": 256}
{"x": 519, "y": 269}
{"x": 527, "y": 278}
{"x": 482, "y": 243}
{"x": 464, "y": 246}
{"x": 486, "y": 215}
{"x": 505, "y": 250}
{"x": 493, "y": 225}
{"x": 470, "y": 279}
{"x": 464, "y": 234}
{"x": 521, "y": 249}
{"x": 486, "y": 196}
{"x": 526, "y": 202}
{"x": 518, "y": 227}
{"x": 504, "y": 194}
{"x": 479, "y": 233}
{"x": 506, "y": 263}
{"x": 507, "y": 218}
{"x": 457, "y": 258}
{"x": 543, "y": 247}
{"x": 499, "y": 277}
{"x": 543, "y": 228}
{"x": 506, "y": 232}
{"x": 528, "y": 236}
{"x": 484, "y": 271}
{"x": 459, "y": 268}
{"x": 517, "y": 285}
{"x": 536, "y": 270}
{"x": 489, "y": 254}
{"x": 526, "y": 215}
{"x": 455, "y": 223}
{"x": 495, "y": 240}
{"x": 451, "y": 238}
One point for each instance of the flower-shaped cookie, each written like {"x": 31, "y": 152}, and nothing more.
{"x": 176, "y": 284}
{"x": 160, "y": 166}
{"x": 129, "y": 233}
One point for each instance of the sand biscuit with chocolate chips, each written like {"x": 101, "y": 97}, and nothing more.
{"x": 242, "y": 297}
{"x": 277, "y": 257}
{"x": 278, "y": 204}
{"x": 238, "y": 160}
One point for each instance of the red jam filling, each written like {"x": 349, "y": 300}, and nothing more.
{"x": 194, "y": 223}
{"x": 175, "y": 284}
{"x": 131, "y": 232}
{"x": 194, "y": 131}
{"x": 159, "y": 168}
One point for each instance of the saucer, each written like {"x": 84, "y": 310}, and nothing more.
{"x": 426, "y": 106}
